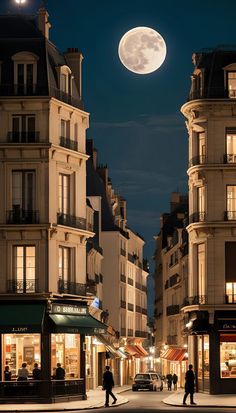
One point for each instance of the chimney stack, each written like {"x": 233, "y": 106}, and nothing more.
{"x": 74, "y": 59}
{"x": 43, "y": 23}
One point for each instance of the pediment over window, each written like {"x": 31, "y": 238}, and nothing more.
{"x": 25, "y": 57}
{"x": 231, "y": 67}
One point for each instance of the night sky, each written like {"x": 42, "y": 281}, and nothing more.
{"x": 135, "y": 120}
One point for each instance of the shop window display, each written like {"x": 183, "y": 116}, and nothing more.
{"x": 18, "y": 349}
{"x": 228, "y": 356}
{"x": 66, "y": 351}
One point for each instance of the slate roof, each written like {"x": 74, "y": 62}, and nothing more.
{"x": 19, "y": 33}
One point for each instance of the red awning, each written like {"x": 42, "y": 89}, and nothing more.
{"x": 175, "y": 354}
{"x": 136, "y": 350}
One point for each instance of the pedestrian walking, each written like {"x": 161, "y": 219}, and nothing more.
{"x": 175, "y": 381}
{"x": 108, "y": 383}
{"x": 189, "y": 384}
{"x": 169, "y": 381}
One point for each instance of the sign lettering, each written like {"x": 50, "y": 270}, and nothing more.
{"x": 68, "y": 309}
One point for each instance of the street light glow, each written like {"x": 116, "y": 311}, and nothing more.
{"x": 20, "y": 1}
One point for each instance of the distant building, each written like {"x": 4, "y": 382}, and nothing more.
{"x": 211, "y": 307}
{"x": 124, "y": 272}
{"x": 171, "y": 277}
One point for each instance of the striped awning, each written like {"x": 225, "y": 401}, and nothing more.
{"x": 175, "y": 354}
{"x": 136, "y": 350}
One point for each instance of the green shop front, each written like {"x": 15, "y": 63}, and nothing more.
{"x": 45, "y": 332}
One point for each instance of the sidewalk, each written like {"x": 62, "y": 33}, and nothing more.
{"x": 202, "y": 400}
{"x": 95, "y": 400}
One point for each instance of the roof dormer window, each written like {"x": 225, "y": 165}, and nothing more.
{"x": 230, "y": 80}
{"x": 65, "y": 79}
{"x": 25, "y": 73}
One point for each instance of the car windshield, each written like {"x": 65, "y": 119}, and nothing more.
{"x": 142, "y": 377}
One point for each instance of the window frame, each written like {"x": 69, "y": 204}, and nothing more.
{"x": 15, "y": 268}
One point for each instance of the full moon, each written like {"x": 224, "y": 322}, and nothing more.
{"x": 142, "y": 50}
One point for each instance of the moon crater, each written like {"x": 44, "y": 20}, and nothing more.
{"x": 142, "y": 50}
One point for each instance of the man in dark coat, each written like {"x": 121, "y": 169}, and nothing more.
{"x": 169, "y": 381}
{"x": 189, "y": 384}
{"x": 108, "y": 383}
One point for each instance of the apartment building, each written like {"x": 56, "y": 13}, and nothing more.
{"x": 43, "y": 212}
{"x": 211, "y": 307}
{"x": 171, "y": 277}
{"x": 124, "y": 275}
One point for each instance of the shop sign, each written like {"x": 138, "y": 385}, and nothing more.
{"x": 227, "y": 325}
{"x": 68, "y": 309}
{"x": 20, "y": 329}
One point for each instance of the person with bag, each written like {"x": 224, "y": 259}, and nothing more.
{"x": 108, "y": 383}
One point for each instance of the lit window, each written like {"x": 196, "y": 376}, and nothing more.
{"x": 231, "y": 292}
{"x": 64, "y": 263}
{"x": 232, "y": 84}
{"x": 231, "y": 202}
{"x": 24, "y": 269}
{"x": 201, "y": 271}
{"x": 201, "y": 203}
{"x": 202, "y": 147}
{"x": 64, "y": 194}
{"x": 231, "y": 145}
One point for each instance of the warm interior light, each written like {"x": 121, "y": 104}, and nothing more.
{"x": 20, "y": 1}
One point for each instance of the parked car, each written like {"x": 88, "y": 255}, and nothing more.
{"x": 147, "y": 381}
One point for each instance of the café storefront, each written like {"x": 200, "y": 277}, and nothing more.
{"x": 45, "y": 332}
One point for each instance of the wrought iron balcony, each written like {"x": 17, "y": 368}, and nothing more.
{"x": 197, "y": 160}
{"x": 230, "y": 299}
{"x": 91, "y": 286}
{"x": 123, "y": 304}
{"x": 69, "y": 287}
{"x": 230, "y": 158}
{"x": 23, "y": 137}
{"x": 218, "y": 92}
{"x": 130, "y": 332}
{"x": 130, "y": 307}
{"x": 172, "y": 309}
{"x": 195, "y": 300}
{"x": 71, "y": 221}
{"x": 131, "y": 258}
{"x": 130, "y": 281}
{"x": 144, "y": 311}
{"x": 123, "y": 252}
{"x": 139, "y": 333}
{"x": 230, "y": 216}
{"x": 67, "y": 98}
{"x": 144, "y": 288}
{"x": 68, "y": 143}
{"x": 22, "y": 286}
{"x": 138, "y": 285}
{"x": 197, "y": 217}
{"x": 123, "y": 278}
{"x": 123, "y": 331}
{"x": 10, "y": 89}
{"x": 138, "y": 309}
{"x": 172, "y": 339}
{"x": 19, "y": 216}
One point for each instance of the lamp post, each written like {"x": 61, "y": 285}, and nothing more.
{"x": 20, "y": 2}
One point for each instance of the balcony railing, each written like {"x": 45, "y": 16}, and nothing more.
{"x": 197, "y": 217}
{"x": 197, "y": 160}
{"x": 144, "y": 311}
{"x": 123, "y": 331}
{"x": 172, "y": 309}
{"x": 217, "y": 92}
{"x": 230, "y": 215}
{"x": 9, "y": 89}
{"x": 131, "y": 258}
{"x": 138, "y": 309}
{"x": 172, "y": 339}
{"x": 139, "y": 333}
{"x": 123, "y": 304}
{"x": 69, "y": 287}
{"x": 123, "y": 252}
{"x": 138, "y": 285}
{"x": 230, "y": 298}
{"x": 23, "y": 137}
{"x": 130, "y": 281}
{"x": 123, "y": 278}
{"x": 67, "y": 98}
{"x": 195, "y": 300}
{"x": 130, "y": 332}
{"x": 91, "y": 289}
{"x": 130, "y": 307}
{"x": 230, "y": 158}
{"x": 71, "y": 221}
{"x": 68, "y": 143}
{"x": 144, "y": 288}
{"x": 22, "y": 216}
{"x": 22, "y": 286}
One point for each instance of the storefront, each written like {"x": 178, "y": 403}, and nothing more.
{"x": 174, "y": 361}
{"x": 47, "y": 332}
